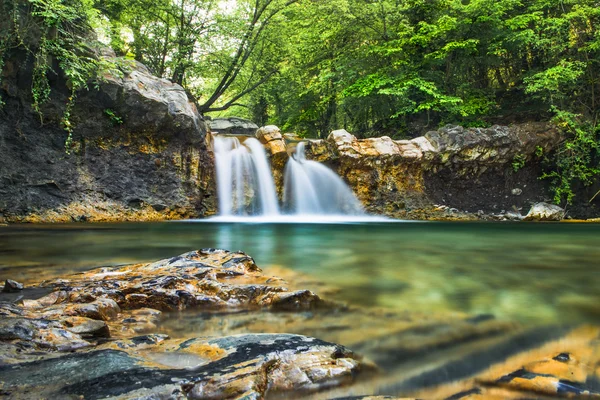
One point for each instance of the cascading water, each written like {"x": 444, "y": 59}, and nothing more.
{"x": 244, "y": 182}
{"x": 312, "y": 188}
{"x": 246, "y": 188}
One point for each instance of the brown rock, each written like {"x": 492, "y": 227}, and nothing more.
{"x": 86, "y": 327}
{"x": 467, "y": 169}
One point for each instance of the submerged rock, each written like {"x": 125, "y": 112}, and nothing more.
{"x": 209, "y": 278}
{"x": 128, "y": 300}
{"x": 86, "y": 336}
{"x": 545, "y": 212}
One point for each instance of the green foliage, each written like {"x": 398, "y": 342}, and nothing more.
{"x": 372, "y": 67}
{"x": 518, "y": 162}
{"x": 62, "y": 26}
{"x": 113, "y": 117}
{"x": 539, "y": 151}
{"x": 578, "y": 159}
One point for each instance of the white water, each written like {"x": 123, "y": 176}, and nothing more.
{"x": 312, "y": 192}
{"x": 244, "y": 182}
{"x": 312, "y": 188}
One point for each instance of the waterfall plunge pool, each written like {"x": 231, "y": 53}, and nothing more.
{"x": 533, "y": 273}
{"x": 421, "y": 295}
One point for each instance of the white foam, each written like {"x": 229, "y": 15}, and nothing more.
{"x": 297, "y": 219}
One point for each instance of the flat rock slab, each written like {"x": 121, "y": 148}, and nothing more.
{"x": 228, "y": 367}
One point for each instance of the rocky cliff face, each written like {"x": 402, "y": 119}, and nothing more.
{"x": 139, "y": 150}
{"x": 485, "y": 171}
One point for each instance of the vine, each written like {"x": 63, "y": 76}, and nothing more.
{"x": 63, "y": 25}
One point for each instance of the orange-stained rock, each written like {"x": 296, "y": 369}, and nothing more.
{"x": 462, "y": 169}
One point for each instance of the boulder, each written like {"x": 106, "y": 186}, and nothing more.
{"x": 147, "y": 102}
{"x": 11, "y": 286}
{"x": 128, "y": 300}
{"x": 270, "y": 136}
{"x": 86, "y": 327}
{"x": 545, "y": 212}
{"x": 137, "y": 150}
{"x": 291, "y": 137}
{"x": 195, "y": 278}
{"x": 97, "y": 317}
{"x": 233, "y": 126}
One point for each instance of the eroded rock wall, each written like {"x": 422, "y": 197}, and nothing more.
{"x": 139, "y": 150}
{"x": 486, "y": 171}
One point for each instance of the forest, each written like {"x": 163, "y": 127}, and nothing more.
{"x": 373, "y": 67}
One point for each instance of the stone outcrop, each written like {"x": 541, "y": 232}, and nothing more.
{"x": 233, "y": 126}
{"x": 482, "y": 172}
{"x": 545, "y": 212}
{"x": 155, "y": 366}
{"x": 138, "y": 149}
{"x": 270, "y": 136}
{"x": 85, "y": 334}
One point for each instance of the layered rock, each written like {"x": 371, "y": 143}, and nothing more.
{"x": 270, "y": 136}
{"x": 138, "y": 149}
{"x": 233, "y": 126}
{"x": 491, "y": 171}
{"x": 85, "y": 335}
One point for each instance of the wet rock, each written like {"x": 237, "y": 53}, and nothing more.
{"x": 233, "y": 125}
{"x": 227, "y": 367}
{"x": 513, "y": 216}
{"x": 271, "y": 137}
{"x": 86, "y": 327}
{"x": 39, "y": 334}
{"x": 291, "y": 137}
{"x": 100, "y": 309}
{"x": 210, "y": 278}
{"x": 11, "y": 286}
{"x": 56, "y": 297}
{"x": 545, "y": 212}
{"x": 559, "y": 368}
{"x": 17, "y": 328}
{"x": 298, "y": 300}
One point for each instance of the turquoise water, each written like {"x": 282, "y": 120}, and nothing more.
{"x": 539, "y": 273}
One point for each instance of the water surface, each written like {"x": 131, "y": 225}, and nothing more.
{"x": 531, "y": 273}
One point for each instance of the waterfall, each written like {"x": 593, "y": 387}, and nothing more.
{"x": 245, "y": 186}
{"x": 312, "y": 188}
{"x": 244, "y": 182}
